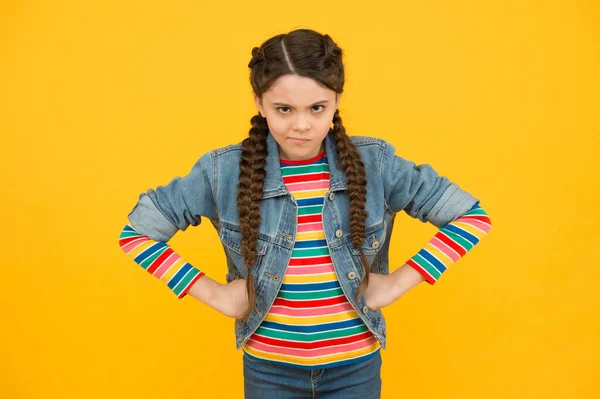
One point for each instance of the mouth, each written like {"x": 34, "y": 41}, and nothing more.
{"x": 298, "y": 139}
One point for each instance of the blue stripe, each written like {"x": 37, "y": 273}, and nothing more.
{"x": 177, "y": 277}
{"x": 153, "y": 248}
{"x": 436, "y": 263}
{"x": 463, "y": 233}
{"x": 310, "y": 287}
{"x": 314, "y": 328}
{"x": 310, "y": 244}
{"x": 310, "y": 201}
{"x": 475, "y": 206}
{"x": 129, "y": 228}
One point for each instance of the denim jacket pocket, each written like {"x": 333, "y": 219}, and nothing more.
{"x": 375, "y": 236}
{"x": 231, "y": 237}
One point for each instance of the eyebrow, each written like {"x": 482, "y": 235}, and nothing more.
{"x": 287, "y": 105}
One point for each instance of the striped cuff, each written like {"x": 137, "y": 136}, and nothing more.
{"x": 451, "y": 243}
{"x": 159, "y": 259}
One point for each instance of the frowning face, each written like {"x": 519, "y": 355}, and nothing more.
{"x": 299, "y": 113}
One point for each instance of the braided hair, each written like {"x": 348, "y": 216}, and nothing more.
{"x": 306, "y": 53}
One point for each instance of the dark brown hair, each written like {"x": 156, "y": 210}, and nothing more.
{"x": 302, "y": 52}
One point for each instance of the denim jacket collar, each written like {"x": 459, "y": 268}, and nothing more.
{"x": 274, "y": 184}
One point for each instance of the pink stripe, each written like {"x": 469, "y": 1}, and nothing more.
{"x": 474, "y": 222}
{"x": 311, "y": 185}
{"x": 309, "y": 227}
{"x": 305, "y": 353}
{"x": 301, "y": 270}
{"x": 449, "y": 252}
{"x": 166, "y": 265}
{"x": 133, "y": 244}
{"x": 322, "y": 311}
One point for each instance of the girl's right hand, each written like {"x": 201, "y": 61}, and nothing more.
{"x": 231, "y": 299}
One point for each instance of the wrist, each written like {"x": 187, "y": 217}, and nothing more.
{"x": 405, "y": 278}
{"x": 206, "y": 290}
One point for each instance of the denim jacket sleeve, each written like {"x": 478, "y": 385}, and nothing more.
{"x": 161, "y": 212}
{"x": 420, "y": 192}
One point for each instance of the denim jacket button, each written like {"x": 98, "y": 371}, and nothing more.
{"x": 375, "y": 244}
{"x": 331, "y": 196}
{"x": 351, "y": 275}
{"x": 339, "y": 234}
{"x": 365, "y": 309}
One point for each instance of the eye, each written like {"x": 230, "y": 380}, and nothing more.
{"x": 284, "y": 110}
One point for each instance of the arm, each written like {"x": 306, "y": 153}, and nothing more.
{"x": 419, "y": 191}
{"x": 423, "y": 194}
{"x": 162, "y": 212}
{"x": 448, "y": 245}
{"x": 161, "y": 261}
{"x": 158, "y": 215}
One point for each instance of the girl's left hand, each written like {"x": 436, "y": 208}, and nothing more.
{"x": 382, "y": 290}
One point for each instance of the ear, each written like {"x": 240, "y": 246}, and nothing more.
{"x": 258, "y": 103}
{"x": 338, "y": 99}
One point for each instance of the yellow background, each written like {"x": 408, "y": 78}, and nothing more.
{"x": 100, "y": 101}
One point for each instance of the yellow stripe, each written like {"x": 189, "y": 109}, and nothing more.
{"x": 442, "y": 257}
{"x": 470, "y": 228}
{"x": 173, "y": 270}
{"x": 317, "y": 278}
{"x": 309, "y": 194}
{"x": 313, "y": 360}
{"x": 351, "y": 314}
{"x": 141, "y": 248}
{"x": 310, "y": 236}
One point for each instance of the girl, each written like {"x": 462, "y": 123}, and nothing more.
{"x": 305, "y": 214}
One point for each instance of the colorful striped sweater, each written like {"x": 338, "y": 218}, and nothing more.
{"x": 159, "y": 259}
{"x": 311, "y": 324}
{"x": 447, "y": 246}
{"x": 451, "y": 243}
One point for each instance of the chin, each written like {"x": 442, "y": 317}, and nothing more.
{"x": 294, "y": 155}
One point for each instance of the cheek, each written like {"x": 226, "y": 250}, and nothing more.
{"x": 325, "y": 121}
{"x": 322, "y": 123}
{"x": 278, "y": 125}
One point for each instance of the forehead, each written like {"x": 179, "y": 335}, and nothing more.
{"x": 297, "y": 90}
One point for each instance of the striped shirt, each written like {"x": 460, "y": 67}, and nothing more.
{"x": 159, "y": 259}
{"x": 302, "y": 317}
{"x": 311, "y": 324}
{"x": 451, "y": 243}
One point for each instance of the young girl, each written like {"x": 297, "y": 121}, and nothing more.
{"x": 305, "y": 215}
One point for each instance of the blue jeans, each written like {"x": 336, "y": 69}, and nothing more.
{"x": 265, "y": 380}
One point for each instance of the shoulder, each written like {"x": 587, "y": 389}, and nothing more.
{"x": 361, "y": 141}
{"x": 228, "y": 150}
{"x": 210, "y": 159}
{"x": 227, "y": 154}
{"x": 371, "y": 149}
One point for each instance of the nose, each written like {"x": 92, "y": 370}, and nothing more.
{"x": 302, "y": 123}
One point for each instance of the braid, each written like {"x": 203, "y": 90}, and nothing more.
{"x": 353, "y": 167}
{"x": 308, "y": 53}
{"x": 250, "y": 190}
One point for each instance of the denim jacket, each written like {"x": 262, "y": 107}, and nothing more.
{"x": 210, "y": 190}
